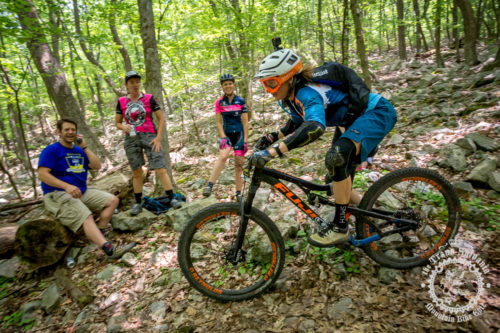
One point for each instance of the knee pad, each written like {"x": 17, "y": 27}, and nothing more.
{"x": 340, "y": 158}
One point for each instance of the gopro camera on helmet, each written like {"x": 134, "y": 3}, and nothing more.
{"x": 276, "y": 43}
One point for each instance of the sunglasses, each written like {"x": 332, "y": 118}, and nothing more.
{"x": 272, "y": 84}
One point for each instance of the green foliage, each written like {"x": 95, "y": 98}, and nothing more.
{"x": 361, "y": 180}
{"x": 4, "y": 286}
{"x": 491, "y": 211}
{"x": 15, "y": 319}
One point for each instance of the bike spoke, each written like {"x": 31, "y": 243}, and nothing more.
{"x": 416, "y": 198}
{"x": 212, "y": 253}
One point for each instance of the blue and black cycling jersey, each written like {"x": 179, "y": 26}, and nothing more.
{"x": 231, "y": 113}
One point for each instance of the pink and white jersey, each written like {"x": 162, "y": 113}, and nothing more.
{"x": 138, "y": 113}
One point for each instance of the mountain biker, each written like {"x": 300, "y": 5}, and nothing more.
{"x": 142, "y": 136}
{"x": 231, "y": 117}
{"x": 312, "y": 107}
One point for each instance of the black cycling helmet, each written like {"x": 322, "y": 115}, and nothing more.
{"x": 130, "y": 75}
{"x": 226, "y": 77}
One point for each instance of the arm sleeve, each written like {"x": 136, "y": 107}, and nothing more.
{"x": 154, "y": 104}
{"x": 118, "y": 108}
{"x": 289, "y": 127}
{"x": 308, "y": 132}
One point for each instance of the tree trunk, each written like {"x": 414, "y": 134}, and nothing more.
{"x": 321, "y": 35}
{"x": 117, "y": 40}
{"x": 496, "y": 9}
{"x": 88, "y": 53}
{"x": 153, "y": 83}
{"x": 75, "y": 82}
{"x": 479, "y": 18}
{"x": 5, "y": 170}
{"x": 419, "y": 33}
{"x": 97, "y": 100}
{"x": 54, "y": 31}
{"x": 52, "y": 74}
{"x": 437, "y": 31}
{"x": 345, "y": 34}
{"x": 360, "y": 43}
{"x": 3, "y": 132}
{"x": 426, "y": 18}
{"x": 401, "y": 30}
{"x": 470, "y": 37}
{"x": 454, "y": 32}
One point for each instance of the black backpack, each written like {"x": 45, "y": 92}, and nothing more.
{"x": 344, "y": 78}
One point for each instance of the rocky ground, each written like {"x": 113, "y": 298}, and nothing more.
{"x": 448, "y": 121}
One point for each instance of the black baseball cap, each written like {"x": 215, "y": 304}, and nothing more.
{"x": 130, "y": 75}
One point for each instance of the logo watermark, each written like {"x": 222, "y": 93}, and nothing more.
{"x": 455, "y": 283}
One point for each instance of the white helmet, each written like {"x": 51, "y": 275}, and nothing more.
{"x": 278, "y": 63}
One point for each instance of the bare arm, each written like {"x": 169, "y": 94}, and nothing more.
{"x": 94, "y": 162}
{"x": 220, "y": 128}
{"x": 45, "y": 176}
{"x": 119, "y": 123}
{"x": 244, "y": 122}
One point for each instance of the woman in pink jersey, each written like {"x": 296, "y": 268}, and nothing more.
{"x": 141, "y": 137}
{"x": 231, "y": 116}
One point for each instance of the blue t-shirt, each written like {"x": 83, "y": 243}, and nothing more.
{"x": 67, "y": 164}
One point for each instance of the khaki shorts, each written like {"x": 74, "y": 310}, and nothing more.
{"x": 73, "y": 212}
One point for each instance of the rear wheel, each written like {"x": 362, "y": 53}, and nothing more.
{"x": 415, "y": 194}
{"x": 211, "y": 263}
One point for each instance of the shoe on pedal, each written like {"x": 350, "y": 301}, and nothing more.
{"x": 207, "y": 191}
{"x": 329, "y": 236}
{"x": 120, "y": 250}
{"x": 136, "y": 209}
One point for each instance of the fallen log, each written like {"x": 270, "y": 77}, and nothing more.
{"x": 19, "y": 204}
{"x": 43, "y": 242}
{"x": 7, "y": 239}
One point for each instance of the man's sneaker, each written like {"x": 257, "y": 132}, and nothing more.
{"x": 207, "y": 191}
{"x": 329, "y": 237}
{"x": 120, "y": 250}
{"x": 238, "y": 197}
{"x": 136, "y": 209}
{"x": 174, "y": 203}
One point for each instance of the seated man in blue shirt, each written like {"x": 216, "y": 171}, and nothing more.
{"x": 62, "y": 169}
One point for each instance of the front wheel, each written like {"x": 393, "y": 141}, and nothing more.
{"x": 415, "y": 194}
{"x": 214, "y": 266}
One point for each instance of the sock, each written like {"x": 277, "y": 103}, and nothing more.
{"x": 238, "y": 193}
{"x": 138, "y": 197}
{"x": 340, "y": 219}
{"x": 170, "y": 194}
{"x": 108, "y": 248}
{"x": 210, "y": 184}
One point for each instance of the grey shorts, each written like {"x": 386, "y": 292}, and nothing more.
{"x": 73, "y": 212}
{"x": 136, "y": 146}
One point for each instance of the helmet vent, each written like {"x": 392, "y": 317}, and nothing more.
{"x": 292, "y": 59}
